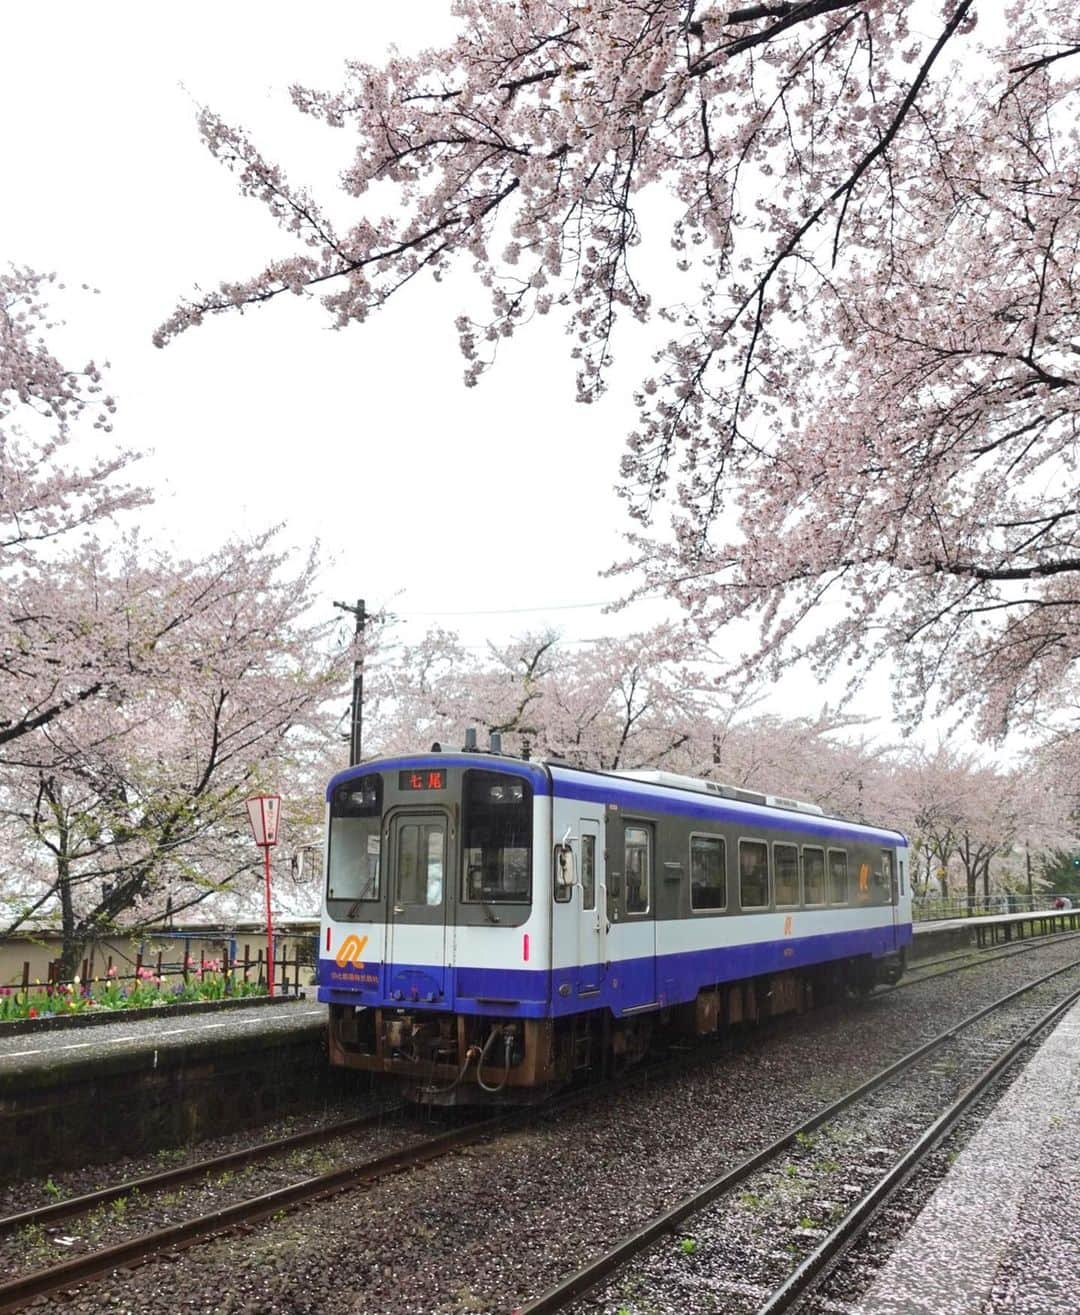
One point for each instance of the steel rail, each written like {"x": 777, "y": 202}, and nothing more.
{"x": 981, "y": 957}
{"x": 77, "y": 1205}
{"x": 858, "y": 1218}
{"x": 588, "y": 1276}
{"x": 991, "y": 952}
{"x": 15, "y": 1293}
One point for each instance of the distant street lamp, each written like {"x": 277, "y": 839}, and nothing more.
{"x": 264, "y": 814}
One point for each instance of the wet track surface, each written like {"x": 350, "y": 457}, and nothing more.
{"x": 490, "y": 1227}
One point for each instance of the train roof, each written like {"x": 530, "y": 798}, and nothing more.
{"x": 546, "y": 773}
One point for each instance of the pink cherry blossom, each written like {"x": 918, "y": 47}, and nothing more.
{"x": 859, "y": 431}
{"x": 142, "y": 695}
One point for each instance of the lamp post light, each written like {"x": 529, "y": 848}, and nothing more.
{"x": 264, "y": 814}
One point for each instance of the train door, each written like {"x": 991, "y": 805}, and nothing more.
{"x": 888, "y": 859}
{"x": 631, "y": 888}
{"x": 591, "y": 917}
{"x": 419, "y": 847}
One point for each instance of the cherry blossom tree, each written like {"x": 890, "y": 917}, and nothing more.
{"x": 869, "y": 388}
{"x": 131, "y": 805}
{"x": 142, "y": 696}
{"x": 988, "y": 828}
{"x": 44, "y": 493}
{"x": 645, "y": 701}
{"x": 57, "y": 648}
{"x": 612, "y": 703}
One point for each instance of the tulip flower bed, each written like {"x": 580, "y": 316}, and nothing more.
{"x": 211, "y": 980}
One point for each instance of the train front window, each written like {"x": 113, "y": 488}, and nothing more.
{"x": 421, "y": 862}
{"x": 497, "y": 839}
{"x": 354, "y": 866}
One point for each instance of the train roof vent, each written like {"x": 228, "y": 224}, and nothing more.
{"x": 796, "y": 805}
{"x": 751, "y": 797}
{"x": 679, "y": 782}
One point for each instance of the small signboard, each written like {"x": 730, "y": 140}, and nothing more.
{"x": 264, "y": 813}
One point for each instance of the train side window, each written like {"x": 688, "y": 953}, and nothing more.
{"x": 813, "y": 874}
{"x": 753, "y": 874}
{"x": 636, "y": 841}
{"x": 885, "y": 878}
{"x": 708, "y": 873}
{"x": 588, "y": 872}
{"x": 785, "y": 860}
{"x": 838, "y": 876}
{"x": 354, "y": 858}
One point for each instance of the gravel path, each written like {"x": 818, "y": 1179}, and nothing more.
{"x": 484, "y": 1229}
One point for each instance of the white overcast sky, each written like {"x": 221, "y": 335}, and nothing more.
{"x": 440, "y": 501}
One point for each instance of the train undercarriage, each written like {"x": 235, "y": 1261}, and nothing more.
{"x": 444, "y": 1059}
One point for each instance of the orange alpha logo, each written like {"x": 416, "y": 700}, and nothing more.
{"x": 352, "y": 947}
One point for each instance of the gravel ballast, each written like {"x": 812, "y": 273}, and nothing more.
{"x": 501, "y": 1221}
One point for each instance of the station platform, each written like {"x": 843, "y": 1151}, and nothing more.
{"x": 48, "y": 1056}
{"x": 89, "y": 1092}
{"x": 1002, "y": 1231}
{"x": 990, "y": 929}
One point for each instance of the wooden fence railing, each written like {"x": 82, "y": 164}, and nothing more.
{"x": 240, "y": 976}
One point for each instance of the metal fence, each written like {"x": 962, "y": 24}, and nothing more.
{"x": 932, "y": 908}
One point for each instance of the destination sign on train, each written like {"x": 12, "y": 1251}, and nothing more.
{"x": 423, "y": 780}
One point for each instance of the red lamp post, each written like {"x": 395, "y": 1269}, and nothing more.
{"x": 264, "y": 814}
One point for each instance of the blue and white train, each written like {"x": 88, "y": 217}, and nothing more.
{"x": 494, "y": 926}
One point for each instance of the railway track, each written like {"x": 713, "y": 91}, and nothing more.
{"x": 772, "y": 1298}
{"x": 17, "y": 1292}
{"x": 787, "y": 1295}
{"x": 24, "y": 1288}
{"x": 44, "y": 1215}
{"x": 978, "y": 958}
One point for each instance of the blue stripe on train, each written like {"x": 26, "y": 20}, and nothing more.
{"x": 536, "y": 776}
{"x": 620, "y": 986}
{"x": 566, "y": 784}
{"x": 684, "y": 804}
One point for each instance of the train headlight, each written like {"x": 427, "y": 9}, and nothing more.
{"x": 507, "y": 794}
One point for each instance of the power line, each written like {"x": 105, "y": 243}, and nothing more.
{"x": 514, "y": 611}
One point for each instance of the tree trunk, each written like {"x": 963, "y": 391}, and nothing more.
{"x": 71, "y": 947}
{"x": 970, "y": 872}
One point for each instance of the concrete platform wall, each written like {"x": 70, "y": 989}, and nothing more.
{"x": 165, "y": 1098}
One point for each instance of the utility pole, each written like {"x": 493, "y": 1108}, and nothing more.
{"x": 356, "y": 727}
